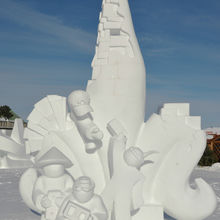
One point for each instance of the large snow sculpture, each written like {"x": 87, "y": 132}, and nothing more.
{"x": 109, "y": 145}
{"x": 119, "y": 80}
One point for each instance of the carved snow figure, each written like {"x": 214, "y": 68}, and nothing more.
{"x": 52, "y": 185}
{"x": 119, "y": 192}
{"x": 79, "y": 103}
{"x": 117, "y": 90}
{"x": 83, "y": 204}
{"x": 50, "y": 124}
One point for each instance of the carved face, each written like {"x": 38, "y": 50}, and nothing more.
{"x": 54, "y": 170}
{"x": 83, "y": 189}
{"x": 82, "y": 196}
{"x": 93, "y": 132}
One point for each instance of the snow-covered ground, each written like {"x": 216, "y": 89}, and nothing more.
{"x": 13, "y": 208}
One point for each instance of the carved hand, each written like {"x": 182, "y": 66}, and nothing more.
{"x": 45, "y": 202}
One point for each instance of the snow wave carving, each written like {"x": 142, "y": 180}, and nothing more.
{"x": 167, "y": 180}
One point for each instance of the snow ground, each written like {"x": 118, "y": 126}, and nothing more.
{"x": 13, "y": 208}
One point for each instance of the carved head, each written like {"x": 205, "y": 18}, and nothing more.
{"x": 79, "y": 103}
{"x": 53, "y": 162}
{"x": 54, "y": 170}
{"x": 92, "y": 132}
{"x": 83, "y": 189}
{"x": 134, "y": 157}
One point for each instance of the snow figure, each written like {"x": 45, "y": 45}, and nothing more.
{"x": 125, "y": 175}
{"x": 117, "y": 90}
{"x": 53, "y": 185}
{"x": 52, "y": 123}
{"x": 79, "y": 102}
{"x": 83, "y": 204}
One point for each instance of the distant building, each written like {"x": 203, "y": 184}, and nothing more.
{"x": 210, "y": 132}
{"x": 213, "y": 140}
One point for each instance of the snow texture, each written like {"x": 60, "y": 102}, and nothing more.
{"x": 13, "y": 208}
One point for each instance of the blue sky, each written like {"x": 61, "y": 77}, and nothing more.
{"x": 46, "y": 47}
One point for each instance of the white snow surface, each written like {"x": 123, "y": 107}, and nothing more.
{"x": 13, "y": 208}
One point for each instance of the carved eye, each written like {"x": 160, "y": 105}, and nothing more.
{"x": 84, "y": 188}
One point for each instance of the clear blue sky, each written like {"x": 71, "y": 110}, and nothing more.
{"x": 46, "y": 47}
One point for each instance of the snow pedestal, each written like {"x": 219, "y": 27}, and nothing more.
{"x": 151, "y": 212}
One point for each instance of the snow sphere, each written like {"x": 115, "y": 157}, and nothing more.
{"x": 134, "y": 157}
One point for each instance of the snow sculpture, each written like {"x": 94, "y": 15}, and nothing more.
{"x": 119, "y": 80}
{"x": 81, "y": 114}
{"x": 12, "y": 150}
{"x": 125, "y": 175}
{"x": 181, "y": 144}
{"x": 117, "y": 140}
{"x": 50, "y": 124}
{"x": 54, "y": 184}
{"x": 83, "y": 203}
